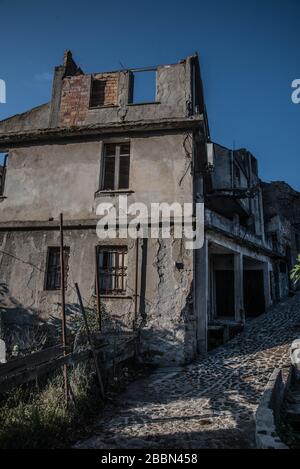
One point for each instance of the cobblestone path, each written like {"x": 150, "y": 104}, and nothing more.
{"x": 208, "y": 404}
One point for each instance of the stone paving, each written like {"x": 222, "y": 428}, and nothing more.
{"x": 208, "y": 404}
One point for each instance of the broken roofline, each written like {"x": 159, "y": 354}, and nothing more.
{"x": 61, "y": 118}
{"x": 68, "y": 59}
{"x": 12, "y": 139}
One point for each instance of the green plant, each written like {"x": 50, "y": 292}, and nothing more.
{"x": 295, "y": 273}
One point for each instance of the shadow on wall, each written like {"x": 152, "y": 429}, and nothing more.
{"x": 168, "y": 346}
{"x": 24, "y": 330}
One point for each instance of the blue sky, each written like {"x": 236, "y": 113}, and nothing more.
{"x": 249, "y": 53}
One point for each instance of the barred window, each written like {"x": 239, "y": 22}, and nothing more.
{"x": 116, "y": 165}
{"x": 112, "y": 262}
{"x": 53, "y": 267}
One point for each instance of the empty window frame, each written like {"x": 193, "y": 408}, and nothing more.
{"x": 274, "y": 241}
{"x": 97, "y": 92}
{"x": 101, "y": 93}
{"x": 112, "y": 265}
{"x": 3, "y": 160}
{"x": 236, "y": 176}
{"x": 116, "y": 166}
{"x": 143, "y": 86}
{"x": 53, "y": 268}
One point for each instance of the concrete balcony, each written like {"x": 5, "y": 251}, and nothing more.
{"x": 229, "y": 227}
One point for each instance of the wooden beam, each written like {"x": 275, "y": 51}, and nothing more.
{"x": 29, "y": 361}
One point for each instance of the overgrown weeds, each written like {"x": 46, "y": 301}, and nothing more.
{"x": 40, "y": 418}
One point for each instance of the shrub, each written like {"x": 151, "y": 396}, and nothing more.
{"x": 295, "y": 273}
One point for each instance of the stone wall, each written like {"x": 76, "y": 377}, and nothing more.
{"x": 268, "y": 414}
{"x": 281, "y": 199}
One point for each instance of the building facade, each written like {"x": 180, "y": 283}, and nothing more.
{"x": 96, "y": 141}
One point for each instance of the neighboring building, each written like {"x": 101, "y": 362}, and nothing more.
{"x": 282, "y": 221}
{"x": 95, "y": 141}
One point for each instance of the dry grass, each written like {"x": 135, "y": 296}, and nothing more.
{"x": 32, "y": 418}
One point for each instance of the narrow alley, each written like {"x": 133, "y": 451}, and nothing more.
{"x": 208, "y": 404}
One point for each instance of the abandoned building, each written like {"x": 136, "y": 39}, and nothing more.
{"x": 96, "y": 140}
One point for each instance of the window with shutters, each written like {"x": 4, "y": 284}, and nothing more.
{"x": 53, "y": 267}
{"x": 116, "y": 166}
{"x": 112, "y": 264}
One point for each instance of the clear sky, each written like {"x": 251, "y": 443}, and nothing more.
{"x": 249, "y": 52}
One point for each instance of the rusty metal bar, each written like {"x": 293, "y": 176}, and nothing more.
{"x": 90, "y": 341}
{"x": 63, "y": 303}
{"x": 98, "y": 287}
{"x": 122, "y": 270}
{"x": 136, "y": 280}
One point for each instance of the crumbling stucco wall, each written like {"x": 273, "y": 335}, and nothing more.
{"x": 172, "y": 98}
{"x": 36, "y": 118}
{"x": 165, "y": 315}
{"x": 23, "y": 270}
{"x": 43, "y": 181}
{"x": 169, "y": 325}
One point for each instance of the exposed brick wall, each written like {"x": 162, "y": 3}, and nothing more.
{"x": 75, "y": 98}
{"x": 107, "y": 88}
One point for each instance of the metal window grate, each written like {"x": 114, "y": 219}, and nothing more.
{"x": 53, "y": 267}
{"x": 112, "y": 264}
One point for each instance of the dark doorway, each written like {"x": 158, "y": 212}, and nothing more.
{"x": 254, "y": 295}
{"x": 224, "y": 293}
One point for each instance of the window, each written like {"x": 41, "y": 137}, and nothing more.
{"x": 143, "y": 86}
{"x": 237, "y": 176}
{"x": 98, "y": 93}
{"x": 53, "y": 267}
{"x": 275, "y": 241}
{"x": 3, "y": 160}
{"x": 112, "y": 263}
{"x": 116, "y": 163}
{"x": 104, "y": 90}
